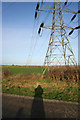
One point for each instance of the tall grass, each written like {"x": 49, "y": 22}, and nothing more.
{"x": 58, "y": 83}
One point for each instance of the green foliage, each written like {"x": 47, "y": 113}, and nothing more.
{"x": 21, "y": 84}
{"x": 21, "y": 69}
{"x": 18, "y": 91}
{"x": 45, "y": 80}
{"x": 0, "y": 68}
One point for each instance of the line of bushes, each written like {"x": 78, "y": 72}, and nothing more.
{"x": 68, "y": 74}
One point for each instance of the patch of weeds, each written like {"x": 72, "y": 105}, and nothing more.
{"x": 45, "y": 81}
{"x": 52, "y": 89}
{"x": 6, "y": 73}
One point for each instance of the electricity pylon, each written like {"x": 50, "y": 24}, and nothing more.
{"x": 59, "y": 50}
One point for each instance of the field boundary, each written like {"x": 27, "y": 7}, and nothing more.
{"x": 45, "y": 100}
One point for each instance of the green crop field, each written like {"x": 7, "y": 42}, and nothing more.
{"x": 24, "y": 80}
{"x": 22, "y": 69}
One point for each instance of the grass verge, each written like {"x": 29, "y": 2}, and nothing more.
{"x": 22, "y": 83}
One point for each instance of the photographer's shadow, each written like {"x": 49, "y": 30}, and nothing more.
{"x": 37, "y": 110}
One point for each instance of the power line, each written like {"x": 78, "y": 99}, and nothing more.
{"x": 10, "y": 5}
{"x": 33, "y": 48}
{"x": 67, "y": 5}
{"x": 75, "y": 36}
{"x": 77, "y": 21}
{"x": 62, "y": 45}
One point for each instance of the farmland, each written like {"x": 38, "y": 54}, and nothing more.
{"x": 58, "y": 83}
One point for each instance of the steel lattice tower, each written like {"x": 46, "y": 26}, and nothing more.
{"x": 59, "y": 50}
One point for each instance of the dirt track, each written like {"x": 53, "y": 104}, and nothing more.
{"x": 14, "y": 106}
